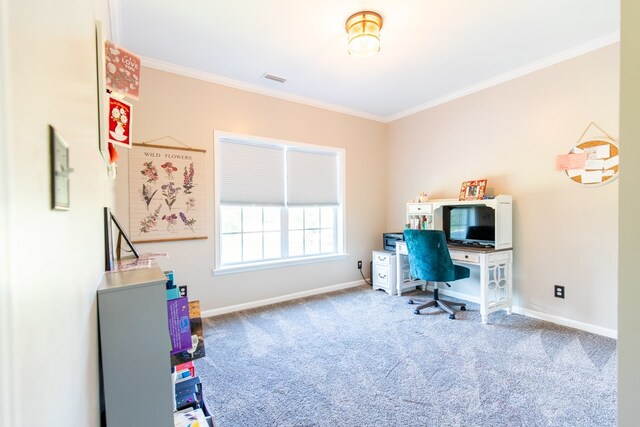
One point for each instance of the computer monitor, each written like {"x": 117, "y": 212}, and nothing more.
{"x": 467, "y": 224}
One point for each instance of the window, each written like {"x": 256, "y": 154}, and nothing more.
{"x": 311, "y": 231}
{"x": 250, "y": 234}
{"x": 276, "y": 202}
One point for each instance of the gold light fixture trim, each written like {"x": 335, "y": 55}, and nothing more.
{"x": 363, "y": 29}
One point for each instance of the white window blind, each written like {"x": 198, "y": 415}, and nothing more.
{"x": 312, "y": 178}
{"x": 250, "y": 174}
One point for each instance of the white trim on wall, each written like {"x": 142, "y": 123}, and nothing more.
{"x": 510, "y": 75}
{"x": 236, "y": 84}
{"x": 558, "y": 320}
{"x": 6, "y": 340}
{"x": 513, "y": 74}
{"x": 115, "y": 17}
{"x": 587, "y": 327}
{"x": 283, "y": 298}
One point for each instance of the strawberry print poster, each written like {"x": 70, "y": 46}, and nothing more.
{"x": 119, "y": 122}
{"x": 166, "y": 193}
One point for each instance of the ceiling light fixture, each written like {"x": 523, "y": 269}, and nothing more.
{"x": 363, "y": 29}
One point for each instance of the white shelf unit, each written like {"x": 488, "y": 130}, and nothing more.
{"x": 430, "y": 213}
{"x": 420, "y": 216}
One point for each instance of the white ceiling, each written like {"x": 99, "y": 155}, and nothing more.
{"x": 432, "y": 50}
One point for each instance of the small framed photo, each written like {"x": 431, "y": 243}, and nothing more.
{"x": 473, "y": 190}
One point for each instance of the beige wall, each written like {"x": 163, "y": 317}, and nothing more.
{"x": 629, "y": 252}
{"x": 564, "y": 233}
{"x": 55, "y": 258}
{"x": 189, "y": 110}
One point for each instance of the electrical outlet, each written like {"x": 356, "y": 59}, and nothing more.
{"x": 359, "y": 265}
{"x": 559, "y": 291}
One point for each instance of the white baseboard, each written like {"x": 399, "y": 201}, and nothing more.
{"x": 563, "y": 321}
{"x": 587, "y": 327}
{"x": 282, "y": 298}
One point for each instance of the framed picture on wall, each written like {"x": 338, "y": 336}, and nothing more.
{"x": 473, "y": 190}
{"x": 120, "y": 122}
{"x": 166, "y": 193}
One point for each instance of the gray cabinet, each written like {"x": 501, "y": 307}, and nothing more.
{"x": 135, "y": 346}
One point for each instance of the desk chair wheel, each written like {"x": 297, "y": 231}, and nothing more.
{"x": 410, "y": 301}
{"x": 463, "y": 308}
{"x": 416, "y": 311}
{"x": 452, "y": 316}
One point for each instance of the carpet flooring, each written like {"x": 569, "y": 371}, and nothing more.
{"x": 362, "y": 358}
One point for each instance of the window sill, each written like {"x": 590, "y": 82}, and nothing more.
{"x": 276, "y": 264}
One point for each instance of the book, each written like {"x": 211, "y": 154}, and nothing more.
{"x": 196, "y": 349}
{"x": 169, "y": 275}
{"x": 182, "y": 375}
{"x": 179, "y": 324}
{"x": 190, "y": 418}
{"x": 188, "y": 384}
{"x": 173, "y": 293}
{"x": 187, "y": 401}
{"x": 187, "y": 366}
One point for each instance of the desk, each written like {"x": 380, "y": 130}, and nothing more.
{"x": 495, "y": 274}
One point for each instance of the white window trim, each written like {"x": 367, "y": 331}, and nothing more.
{"x": 285, "y": 262}
{"x": 341, "y": 243}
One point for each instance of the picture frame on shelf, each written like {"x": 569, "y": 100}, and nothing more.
{"x": 111, "y": 254}
{"x": 473, "y": 190}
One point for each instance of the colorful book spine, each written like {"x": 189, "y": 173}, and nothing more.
{"x": 179, "y": 324}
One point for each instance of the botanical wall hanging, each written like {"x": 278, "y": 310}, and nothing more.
{"x": 166, "y": 193}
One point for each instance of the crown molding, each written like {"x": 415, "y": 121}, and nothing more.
{"x": 115, "y": 18}
{"x": 513, "y": 74}
{"x": 236, "y": 84}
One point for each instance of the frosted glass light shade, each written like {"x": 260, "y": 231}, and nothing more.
{"x": 363, "y": 29}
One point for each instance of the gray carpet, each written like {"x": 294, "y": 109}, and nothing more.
{"x": 362, "y": 358}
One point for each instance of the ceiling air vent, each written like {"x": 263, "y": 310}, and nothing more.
{"x": 274, "y": 78}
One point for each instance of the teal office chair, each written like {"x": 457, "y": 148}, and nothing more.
{"x": 430, "y": 261}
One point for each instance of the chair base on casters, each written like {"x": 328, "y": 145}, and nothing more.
{"x": 436, "y": 301}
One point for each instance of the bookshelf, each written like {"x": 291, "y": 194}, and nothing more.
{"x": 134, "y": 348}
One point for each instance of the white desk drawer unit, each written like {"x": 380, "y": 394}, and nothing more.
{"x": 383, "y": 274}
{"x": 382, "y": 257}
{"x": 464, "y": 257}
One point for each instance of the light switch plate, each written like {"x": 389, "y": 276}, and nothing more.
{"x": 60, "y": 170}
